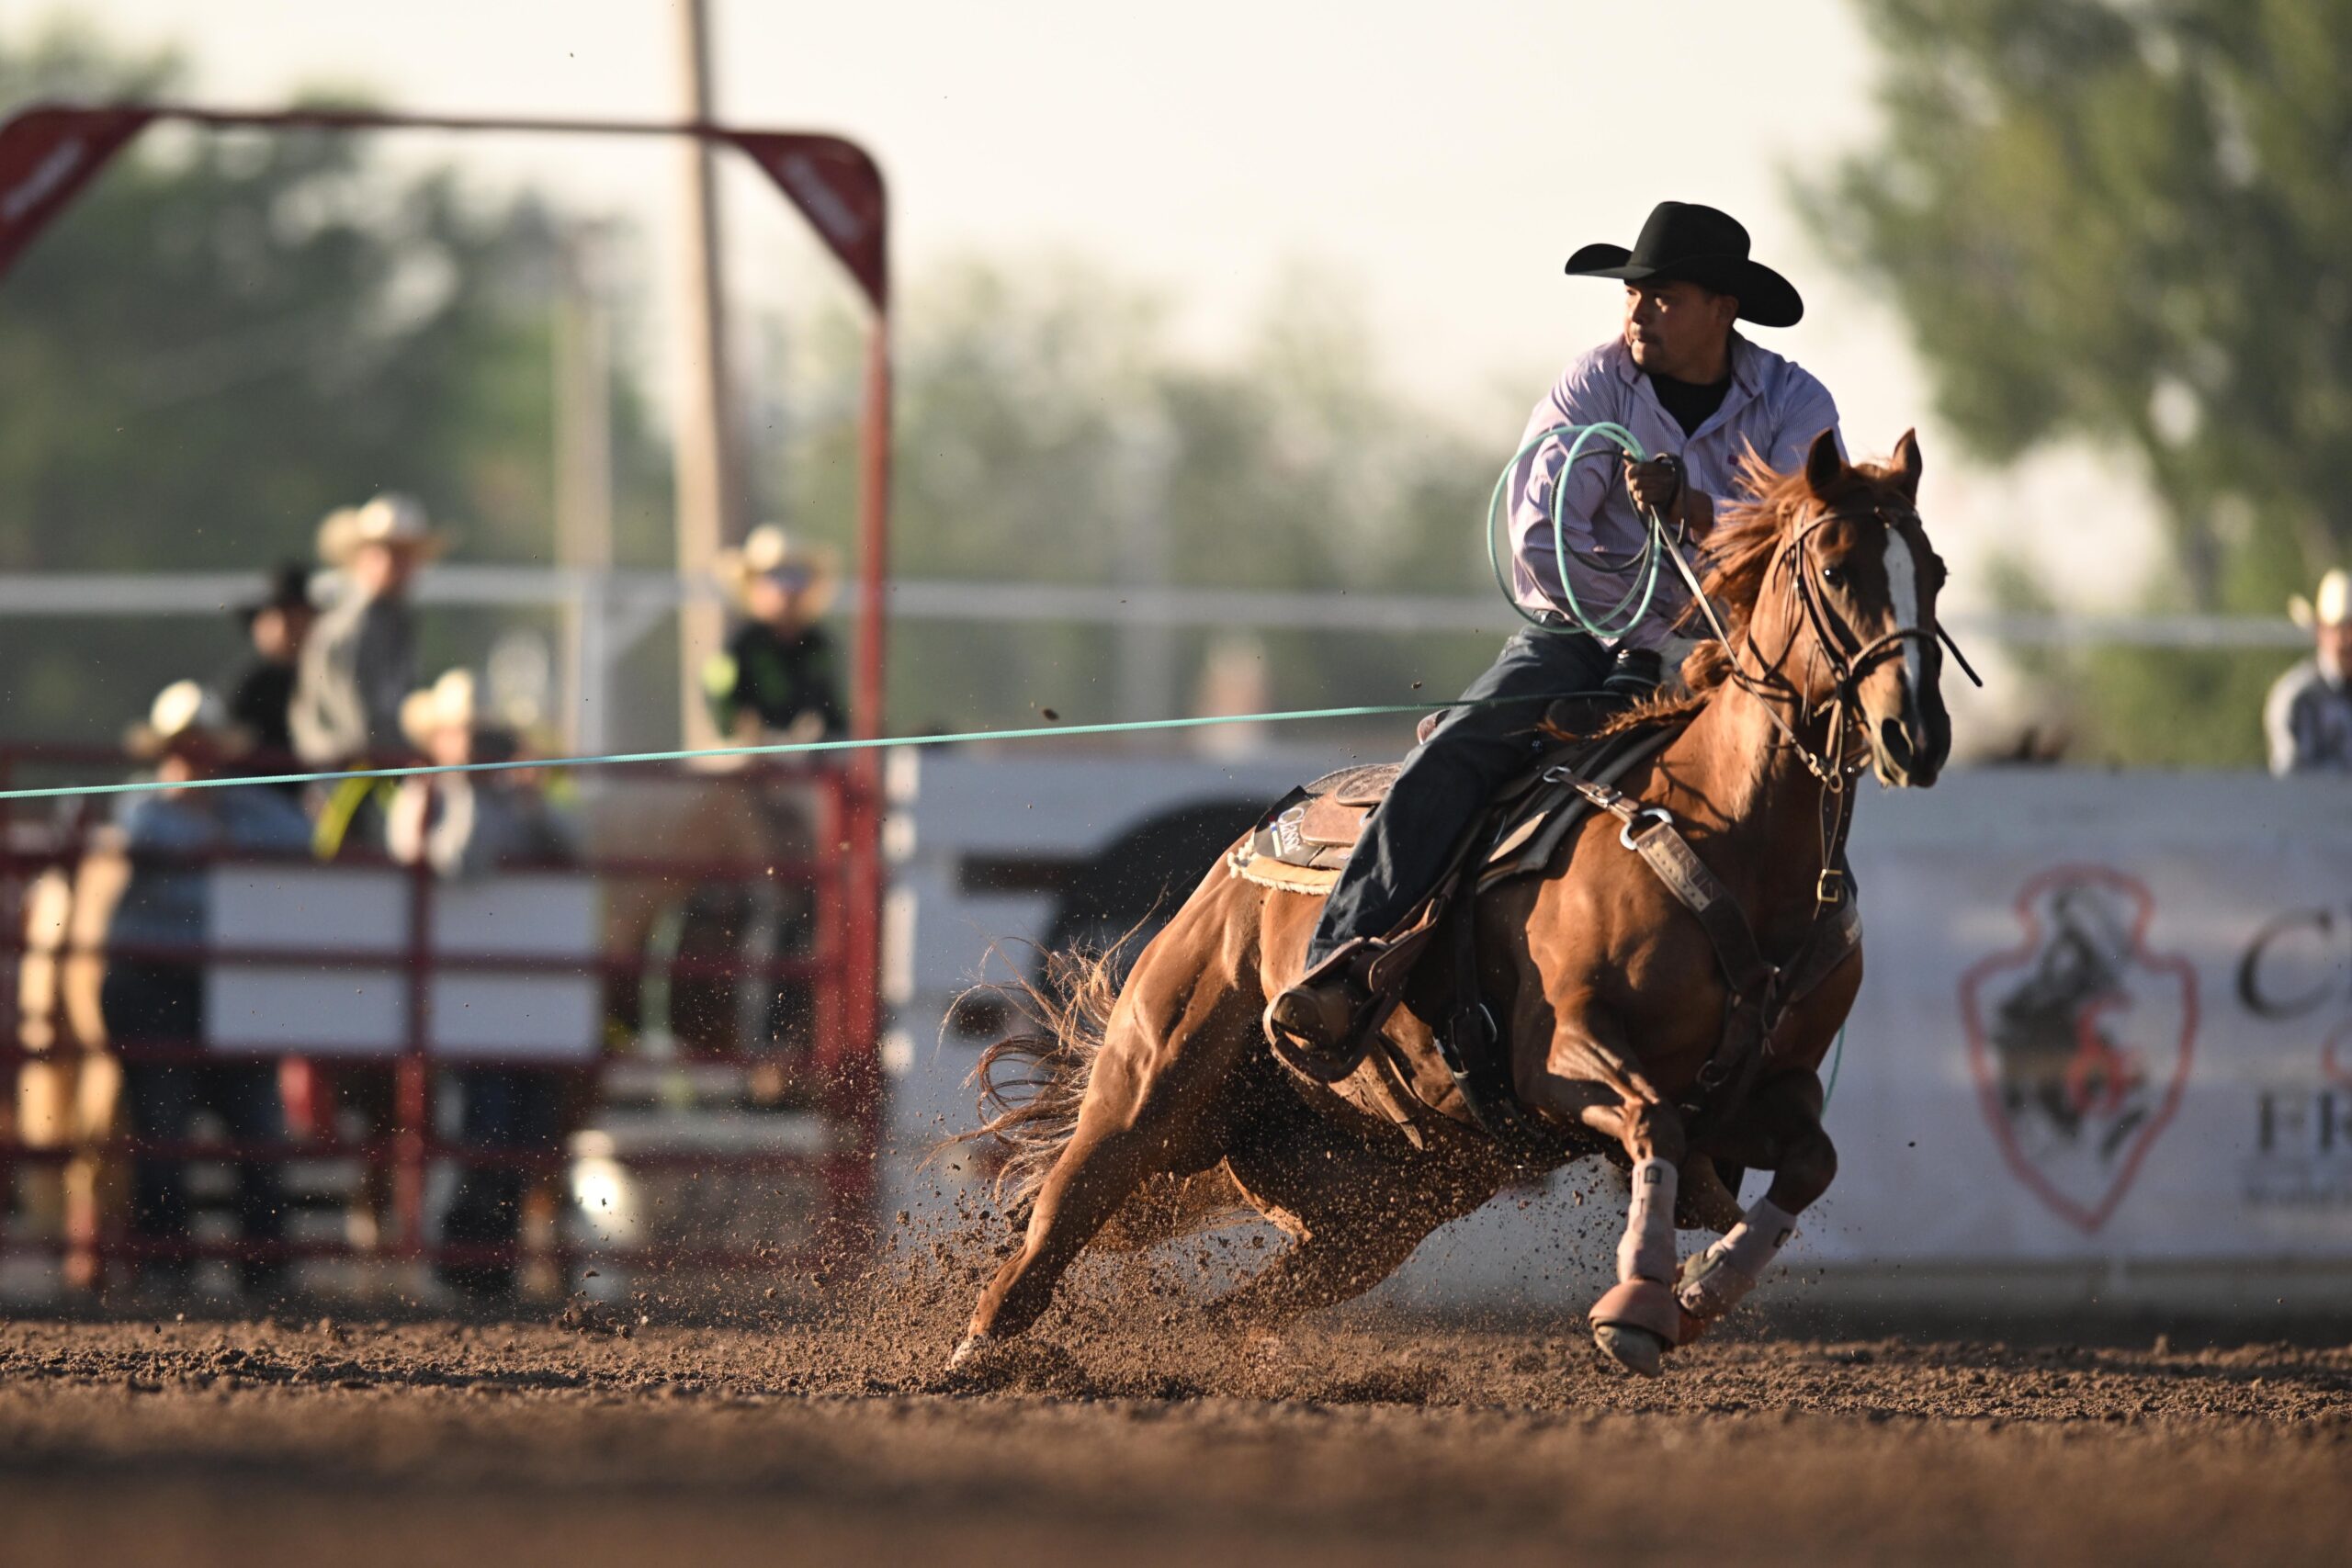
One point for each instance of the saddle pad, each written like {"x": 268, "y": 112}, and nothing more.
{"x": 1301, "y": 845}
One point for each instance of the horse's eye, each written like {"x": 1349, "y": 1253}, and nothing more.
{"x": 1834, "y": 575}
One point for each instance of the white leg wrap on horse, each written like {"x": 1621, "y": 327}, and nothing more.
{"x": 1729, "y": 1268}
{"x": 1647, "y": 1250}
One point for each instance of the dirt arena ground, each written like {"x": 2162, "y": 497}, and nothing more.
{"x": 185, "y": 1441}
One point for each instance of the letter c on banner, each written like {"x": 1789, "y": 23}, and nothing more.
{"x": 2320, "y": 925}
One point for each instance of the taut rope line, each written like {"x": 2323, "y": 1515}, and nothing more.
{"x": 780, "y": 749}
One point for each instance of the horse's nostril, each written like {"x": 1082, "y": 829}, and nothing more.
{"x": 1898, "y": 746}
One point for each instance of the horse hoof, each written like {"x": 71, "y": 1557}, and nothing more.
{"x": 968, "y": 1346}
{"x": 1637, "y": 1350}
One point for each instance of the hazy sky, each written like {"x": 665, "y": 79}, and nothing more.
{"x": 1440, "y": 160}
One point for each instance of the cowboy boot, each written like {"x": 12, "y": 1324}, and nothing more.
{"x": 1317, "y": 1025}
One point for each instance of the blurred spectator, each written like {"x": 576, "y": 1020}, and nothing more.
{"x": 464, "y": 825}
{"x": 261, "y": 689}
{"x": 777, "y": 679}
{"x": 2309, "y": 716}
{"x": 360, "y": 660}
{"x": 157, "y": 1000}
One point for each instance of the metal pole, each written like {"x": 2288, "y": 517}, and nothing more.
{"x": 584, "y": 481}
{"x": 854, "y": 967}
{"x": 1147, "y": 649}
{"x": 874, "y": 533}
{"x": 708, "y": 486}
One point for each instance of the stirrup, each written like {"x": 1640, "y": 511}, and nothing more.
{"x": 1314, "y": 1047}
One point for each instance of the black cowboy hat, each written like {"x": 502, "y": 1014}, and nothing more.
{"x": 289, "y": 588}
{"x": 1697, "y": 244}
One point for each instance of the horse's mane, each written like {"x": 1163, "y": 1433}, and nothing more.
{"x": 1747, "y": 532}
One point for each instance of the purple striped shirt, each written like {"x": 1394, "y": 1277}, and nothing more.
{"x": 1772, "y": 404}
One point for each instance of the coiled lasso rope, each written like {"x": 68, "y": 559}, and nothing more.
{"x": 1628, "y": 612}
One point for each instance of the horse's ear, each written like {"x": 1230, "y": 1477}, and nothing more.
{"x": 1825, "y": 465}
{"x": 1906, "y": 464}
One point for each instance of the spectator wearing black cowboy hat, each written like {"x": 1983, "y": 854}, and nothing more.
{"x": 261, "y": 688}
{"x": 1698, "y": 396}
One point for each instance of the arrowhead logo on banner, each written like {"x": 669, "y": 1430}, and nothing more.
{"x": 2080, "y": 1039}
{"x": 47, "y": 155}
{"x": 839, "y": 189}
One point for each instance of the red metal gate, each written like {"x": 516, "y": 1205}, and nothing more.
{"x": 829, "y": 1078}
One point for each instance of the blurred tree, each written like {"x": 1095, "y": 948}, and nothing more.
{"x": 229, "y": 334}
{"x": 2124, "y": 222}
{"x": 1041, "y": 408}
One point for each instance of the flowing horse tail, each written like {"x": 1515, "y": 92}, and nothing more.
{"x": 1033, "y": 1081}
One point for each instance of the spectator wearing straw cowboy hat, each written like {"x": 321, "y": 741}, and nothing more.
{"x": 155, "y": 1000}
{"x": 360, "y": 660}
{"x": 465, "y": 824}
{"x": 777, "y": 679}
{"x": 2308, "y": 718}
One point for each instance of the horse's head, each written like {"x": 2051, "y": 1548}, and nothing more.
{"x": 1867, "y": 580}
{"x": 1840, "y": 583}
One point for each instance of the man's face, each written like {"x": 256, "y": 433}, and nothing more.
{"x": 450, "y": 745}
{"x": 779, "y": 598}
{"x": 1677, "y": 329}
{"x": 381, "y": 570}
{"x": 2335, "y": 644}
{"x": 279, "y": 631}
{"x": 177, "y": 768}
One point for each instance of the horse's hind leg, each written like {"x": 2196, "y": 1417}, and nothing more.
{"x": 1353, "y": 1216}
{"x": 1147, "y": 1110}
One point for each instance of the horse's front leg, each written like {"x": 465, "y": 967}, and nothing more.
{"x": 1707, "y": 1202}
{"x": 1782, "y": 1118}
{"x": 1590, "y": 1076}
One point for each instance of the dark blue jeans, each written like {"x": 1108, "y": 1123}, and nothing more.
{"x": 1448, "y": 781}
{"x": 163, "y": 1004}
{"x": 510, "y": 1108}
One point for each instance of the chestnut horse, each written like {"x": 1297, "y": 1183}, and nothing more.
{"x": 1163, "y": 1104}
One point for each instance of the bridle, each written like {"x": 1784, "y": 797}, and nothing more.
{"x": 1832, "y": 641}
{"x": 1838, "y": 762}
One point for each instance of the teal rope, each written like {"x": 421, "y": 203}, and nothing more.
{"x": 1628, "y": 612}
{"x": 1837, "y": 1060}
{"x": 780, "y": 749}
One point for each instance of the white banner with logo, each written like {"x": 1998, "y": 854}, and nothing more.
{"x": 2105, "y": 1016}
{"x": 2107, "y": 1023}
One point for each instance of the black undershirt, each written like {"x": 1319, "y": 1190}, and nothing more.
{"x": 1691, "y": 404}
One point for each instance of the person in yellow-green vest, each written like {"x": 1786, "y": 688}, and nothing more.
{"x": 777, "y": 679}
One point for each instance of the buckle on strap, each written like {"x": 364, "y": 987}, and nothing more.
{"x": 1658, "y": 814}
{"x": 1832, "y": 889}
